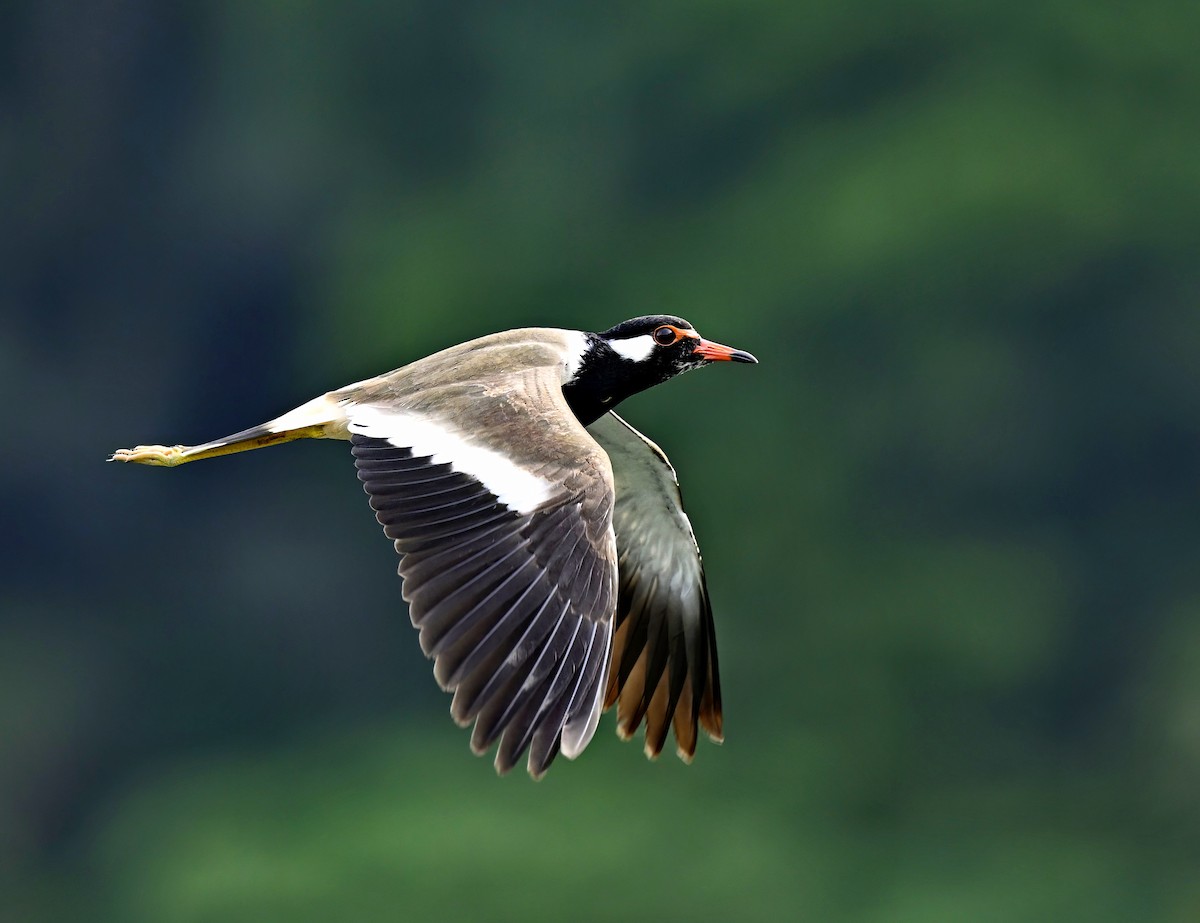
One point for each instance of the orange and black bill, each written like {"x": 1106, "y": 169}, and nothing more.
{"x": 718, "y": 353}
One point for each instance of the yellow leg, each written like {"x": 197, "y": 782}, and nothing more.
{"x": 171, "y": 455}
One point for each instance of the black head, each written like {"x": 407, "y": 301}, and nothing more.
{"x": 635, "y": 355}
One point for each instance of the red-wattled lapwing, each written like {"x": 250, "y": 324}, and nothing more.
{"x": 545, "y": 554}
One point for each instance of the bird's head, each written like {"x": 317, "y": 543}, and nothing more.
{"x": 666, "y": 346}
{"x": 638, "y": 354}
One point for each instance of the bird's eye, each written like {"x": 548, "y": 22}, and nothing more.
{"x": 665, "y": 336}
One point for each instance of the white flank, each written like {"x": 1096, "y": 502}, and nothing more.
{"x": 577, "y": 347}
{"x": 635, "y": 349}
{"x": 513, "y": 486}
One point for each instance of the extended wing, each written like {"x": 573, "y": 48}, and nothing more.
{"x": 508, "y": 556}
{"x": 664, "y": 660}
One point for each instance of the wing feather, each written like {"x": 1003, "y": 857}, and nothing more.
{"x": 540, "y": 707}
{"x": 508, "y": 557}
{"x": 664, "y": 661}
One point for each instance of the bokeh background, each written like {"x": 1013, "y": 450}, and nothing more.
{"x": 951, "y": 522}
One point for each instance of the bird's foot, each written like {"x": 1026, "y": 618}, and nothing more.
{"x": 165, "y": 455}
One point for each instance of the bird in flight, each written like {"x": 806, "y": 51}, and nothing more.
{"x": 545, "y": 554}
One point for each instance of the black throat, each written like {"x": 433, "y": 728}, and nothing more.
{"x": 605, "y": 378}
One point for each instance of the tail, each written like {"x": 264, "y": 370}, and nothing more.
{"x": 321, "y": 418}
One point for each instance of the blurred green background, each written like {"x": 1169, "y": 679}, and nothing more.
{"x": 951, "y": 522}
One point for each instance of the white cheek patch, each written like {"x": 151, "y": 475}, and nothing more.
{"x": 635, "y": 349}
{"x": 513, "y": 486}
